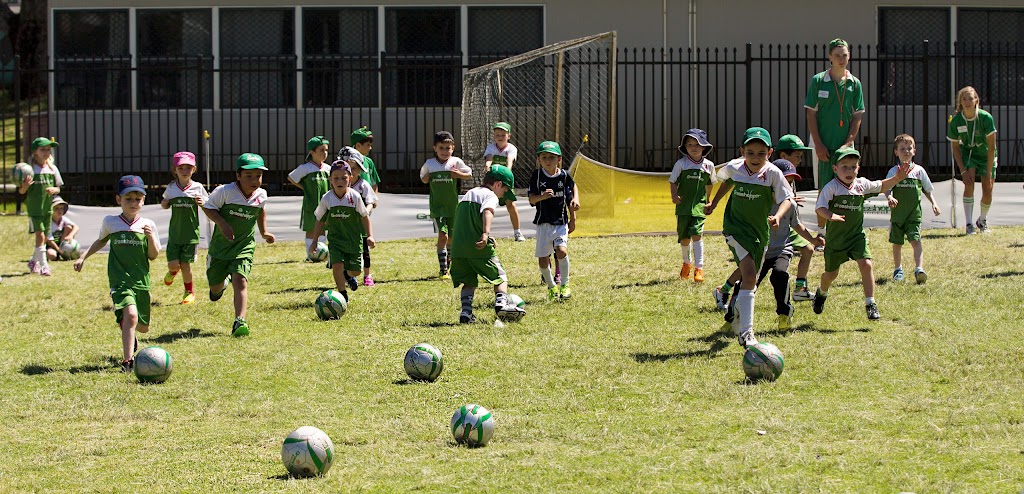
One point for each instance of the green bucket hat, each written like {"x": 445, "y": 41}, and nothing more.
{"x": 790, "y": 142}
{"x": 503, "y": 126}
{"x": 757, "y": 134}
{"x": 844, "y": 152}
{"x": 359, "y": 135}
{"x": 250, "y": 161}
{"x": 39, "y": 142}
{"x": 549, "y": 147}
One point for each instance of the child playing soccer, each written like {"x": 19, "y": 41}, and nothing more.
{"x": 184, "y": 198}
{"x": 134, "y": 242}
{"x": 356, "y": 160}
{"x": 343, "y": 213}
{"x": 758, "y": 186}
{"x": 501, "y": 152}
{"x": 362, "y": 140}
{"x": 441, "y": 172}
{"x": 237, "y": 209}
{"x": 690, "y": 184}
{"x": 972, "y": 131}
{"x": 39, "y": 189}
{"x": 905, "y": 208}
{"x": 311, "y": 177}
{"x": 551, "y": 191}
{"x": 792, "y": 149}
{"x": 62, "y": 230}
{"x": 845, "y": 238}
{"x": 473, "y": 253}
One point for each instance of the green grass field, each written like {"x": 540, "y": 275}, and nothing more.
{"x": 629, "y": 387}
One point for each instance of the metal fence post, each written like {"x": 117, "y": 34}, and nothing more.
{"x": 924, "y": 109}
{"x": 199, "y": 101}
{"x": 749, "y": 64}
{"x": 17, "y": 127}
{"x": 381, "y": 95}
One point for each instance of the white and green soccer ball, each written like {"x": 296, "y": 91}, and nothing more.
{"x": 20, "y": 171}
{"x": 330, "y": 305}
{"x": 70, "y": 249}
{"x": 763, "y": 362}
{"x": 423, "y": 362}
{"x": 319, "y": 254}
{"x": 153, "y": 365}
{"x": 472, "y": 425}
{"x": 307, "y": 452}
{"x": 516, "y": 300}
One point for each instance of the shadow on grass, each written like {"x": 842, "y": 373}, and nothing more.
{"x": 283, "y": 476}
{"x": 447, "y": 324}
{"x": 36, "y": 370}
{"x": 182, "y": 335}
{"x": 317, "y": 289}
{"x": 278, "y": 262}
{"x": 880, "y": 281}
{"x": 112, "y": 363}
{"x": 14, "y": 275}
{"x": 405, "y": 280}
{"x": 805, "y": 327}
{"x": 1015, "y": 244}
{"x": 1004, "y": 274}
{"x": 716, "y": 347}
{"x": 943, "y": 234}
{"x": 292, "y": 306}
{"x": 645, "y": 283}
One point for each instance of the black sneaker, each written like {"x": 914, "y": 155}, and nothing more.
{"x": 352, "y": 283}
{"x": 467, "y": 318}
{"x": 872, "y": 310}
{"x": 127, "y": 365}
{"x": 819, "y": 302}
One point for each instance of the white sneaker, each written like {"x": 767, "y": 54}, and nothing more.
{"x": 982, "y": 226}
{"x": 970, "y": 229}
{"x": 720, "y": 298}
{"x": 747, "y": 338}
{"x": 803, "y": 294}
{"x": 510, "y": 313}
{"x": 518, "y": 237}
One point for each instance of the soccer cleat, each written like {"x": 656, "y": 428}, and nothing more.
{"x": 33, "y": 267}
{"x": 240, "y": 328}
{"x": 747, "y": 338}
{"x": 565, "y": 292}
{"x": 982, "y": 226}
{"x": 802, "y": 294}
{"x": 819, "y": 302}
{"x": 169, "y": 278}
{"x": 509, "y": 312}
{"x": 970, "y": 229}
{"x": 872, "y": 310}
{"x": 518, "y": 237}
{"x": 920, "y": 276}
{"x": 897, "y": 275}
{"x": 720, "y": 298}
{"x": 368, "y": 280}
{"x": 215, "y": 296}
{"x": 684, "y": 272}
{"x": 553, "y": 293}
{"x": 466, "y": 318}
{"x": 127, "y": 365}
{"x": 443, "y": 274}
{"x": 698, "y": 275}
{"x": 786, "y": 320}
{"x": 45, "y": 270}
{"x": 352, "y": 283}
{"x": 188, "y": 298}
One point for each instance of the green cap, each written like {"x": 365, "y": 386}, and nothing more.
{"x": 844, "y": 152}
{"x": 836, "y": 43}
{"x": 359, "y": 135}
{"x": 503, "y": 126}
{"x": 250, "y": 161}
{"x": 503, "y": 174}
{"x": 315, "y": 142}
{"x": 39, "y": 142}
{"x": 549, "y": 147}
{"x": 757, "y": 134}
{"x": 790, "y": 142}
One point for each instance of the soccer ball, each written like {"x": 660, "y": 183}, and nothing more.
{"x": 307, "y": 452}
{"x": 20, "y": 171}
{"x": 319, "y": 254}
{"x": 472, "y": 425}
{"x": 70, "y": 249}
{"x": 423, "y": 362}
{"x": 330, "y": 305}
{"x": 512, "y": 315}
{"x": 516, "y": 300}
{"x": 153, "y": 365}
{"x": 763, "y": 361}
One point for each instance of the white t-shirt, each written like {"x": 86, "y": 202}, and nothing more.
{"x": 501, "y": 156}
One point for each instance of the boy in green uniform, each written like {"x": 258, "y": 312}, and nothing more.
{"x": 905, "y": 208}
{"x": 972, "y": 133}
{"x": 441, "y": 172}
{"x": 237, "y": 209}
{"x": 343, "y": 213}
{"x": 134, "y": 242}
{"x": 362, "y": 140}
{"x": 841, "y": 203}
{"x": 39, "y": 188}
{"x": 473, "y": 253}
{"x": 690, "y": 184}
{"x": 311, "y": 177}
{"x": 835, "y": 109}
{"x": 184, "y": 198}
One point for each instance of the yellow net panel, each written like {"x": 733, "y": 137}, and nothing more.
{"x": 616, "y": 201}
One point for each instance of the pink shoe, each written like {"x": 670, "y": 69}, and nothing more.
{"x": 33, "y": 267}
{"x": 368, "y": 280}
{"x": 45, "y": 270}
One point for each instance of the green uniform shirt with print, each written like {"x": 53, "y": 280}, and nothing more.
{"x": 908, "y": 194}
{"x": 835, "y": 102}
{"x": 753, "y": 195}
{"x": 444, "y": 192}
{"x": 184, "y": 225}
{"x": 691, "y": 179}
{"x": 973, "y": 138}
{"x": 343, "y": 217}
{"x": 469, "y": 224}
{"x": 128, "y": 262}
{"x": 241, "y": 213}
{"x": 37, "y": 201}
{"x": 370, "y": 175}
{"x": 315, "y": 181}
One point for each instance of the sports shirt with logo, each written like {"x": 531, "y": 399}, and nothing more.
{"x": 973, "y": 137}
{"x": 834, "y": 101}
{"x": 184, "y": 226}
{"x": 37, "y": 201}
{"x": 553, "y": 210}
{"x": 753, "y": 195}
{"x": 501, "y": 156}
{"x": 57, "y": 229}
{"x": 370, "y": 175}
{"x": 444, "y": 194}
{"x": 847, "y": 201}
{"x": 691, "y": 179}
{"x": 128, "y": 262}
{"x": 343, "y": 217}
{"x": 469, "y": 224}
{"x": 365, "y": 190}
{"x": 241, "y": 213}
{"x": 908, "y": 193}
{"x": 315, "y": 181}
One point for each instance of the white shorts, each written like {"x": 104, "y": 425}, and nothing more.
{"x": 549, "y": 237}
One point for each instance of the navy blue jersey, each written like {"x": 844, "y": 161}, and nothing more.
{"x": 554, "y": 210}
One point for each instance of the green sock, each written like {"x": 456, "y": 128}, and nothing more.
{"x": 726, "y": 287}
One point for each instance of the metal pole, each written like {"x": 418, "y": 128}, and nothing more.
{"x": 206, "y": 165}
{"x": 17, "y": 126}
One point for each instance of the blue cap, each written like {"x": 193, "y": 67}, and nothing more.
{"x": 130, "y": 183}
{"x": 788, "y": 170}
{"x": 341, "y": 165}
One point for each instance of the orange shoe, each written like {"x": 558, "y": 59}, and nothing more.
{"x": 698, "y": 275}
{"x": 685, "y": 272}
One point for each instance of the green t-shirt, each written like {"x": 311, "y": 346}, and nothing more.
{"x": 908, "y": 193}
{"x": 468, "y": 226}
{"x": 444, "y": 191}
{"x": 315, "y": 181}
{"x": 691, "y": 181}
{"x": 128, "y": 262}
{"x": 753, "y": 195}
{"x": 37, "y": 201}
{"x": 836, "y": 102}
{"x": 370, "y": 175}
{"x": 846, "y": 201}
{"x": 973, "y": 137}
{"x": 343, "y": 217}
{"x": 184, "y": 226}
{"x": 241, "y": 213}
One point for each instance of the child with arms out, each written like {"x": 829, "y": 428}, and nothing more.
{"x": 345, "y": 216}
{"x": 690, "y": 184}
{"x": 39, "y": 189}
{"x": 905, "y": 208}
{"x": 184, "y": 198}
{"x": 441, "y": 172}
{"x": 552, "y": 190}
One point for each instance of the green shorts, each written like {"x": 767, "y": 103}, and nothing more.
{"x": 307, "y": 220}
{"x": 742, "y": 248}
{"x": 910, "y": 230}
{"x": 351, "y": 257}
{"x": 185, "y": 253}
{"x": 835, "y": 256}
{"x": 797, "y": 241}
{"x": 219, "y": 269}
{"x": 687, "y": 226}
{"x": 38, "y": 223}
{"x": 466, "y": 270}
{"x": 123, "y": 297}
{"x": 442, "y": 224}
{"x": 981, "y": 169}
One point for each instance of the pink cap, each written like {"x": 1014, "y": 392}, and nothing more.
{"x": 184, "y": 158}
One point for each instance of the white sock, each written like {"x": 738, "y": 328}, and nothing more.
{"x": 309, "y": 243}
{"x": 517, "y": 232}
{"x": 869, "y": 300}
{"x": 322, "y": 239}
{"x": 745, "y": 307}
{"x": 545, "y": 274}
{"x": 686, "y": 253}
{"x": 698, "y": 253}
{"x": 984, "y": 211}
{"x": 563, "y": 266}
{"x": 969, "y": 209}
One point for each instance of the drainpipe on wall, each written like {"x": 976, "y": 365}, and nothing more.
{"x": 692, "y": 45}
{"x": 664, "y": 76}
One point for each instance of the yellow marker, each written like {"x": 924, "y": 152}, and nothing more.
{"x": 586, "y": 137}
{"x": 206, "y": 134}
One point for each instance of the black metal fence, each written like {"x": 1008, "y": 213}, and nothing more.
{"x": 112, "y": 118}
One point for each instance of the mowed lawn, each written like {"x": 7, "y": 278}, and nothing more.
{"x": 631, "y": 386}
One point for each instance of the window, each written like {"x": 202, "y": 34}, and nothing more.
{"x": 901, "y": 32}
{"x": 424, "y": 66}
{"x": 339, "y": 57}
{"x": 499, "y": 32}
{"x": 988, "y": 54}
{"x": 257, "y": 48}
{"x": 170, "y": 44}
{"x": 91, "y": 59}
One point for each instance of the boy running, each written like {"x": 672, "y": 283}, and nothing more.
{"x": 905, "y": 208}
{"x": 551, "y": 191}
{"x": 343, "y": 213}
{"x": 441, "y": 172}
